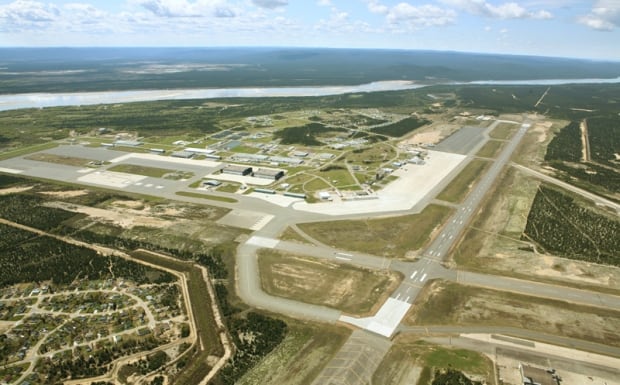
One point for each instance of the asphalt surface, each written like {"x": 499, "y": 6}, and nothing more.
{"x": 356, "y": 361}
{"x": 430, "y": 266}
{"x": 462, "y": 141}
{"x": 528, "y": 335}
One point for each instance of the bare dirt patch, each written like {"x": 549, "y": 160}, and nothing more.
{"x": 348, "y": 288}
{"x": 125, "y": 218}
{"x": 14, "y": 190}
{"x": 65, "y": 194}
{"x": 5, "y": 325}
{"x": 424, "y": 137}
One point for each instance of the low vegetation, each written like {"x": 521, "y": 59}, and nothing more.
{"x": 448, "y": 303}
{"x": 153, "y": 172}
{"x": 460, "y": 186}
{"x": 302, "y": 355}
{"x": 344, "y": 287}
{"x": 393, "y": 237}
{"x": 305, "y": 135}
{"x": 491, "y": 149}
{"x": 401, "y": 127}
{"x": 410, "y": 358}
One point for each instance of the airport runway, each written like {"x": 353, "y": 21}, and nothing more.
{"x": 416, "y": 274}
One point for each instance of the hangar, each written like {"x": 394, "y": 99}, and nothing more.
{"x": 236, "y": 169}
{"x": 267, "y": 173}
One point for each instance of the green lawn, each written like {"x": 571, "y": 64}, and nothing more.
{"x": 153, "y": 172}
{"x": 392, "y": 237}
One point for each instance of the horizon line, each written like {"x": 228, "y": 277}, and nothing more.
{"x": 314, "y": 47}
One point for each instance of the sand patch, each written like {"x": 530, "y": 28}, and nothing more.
{"x": 14, "y": 190}
{"x": 5, "y": 325}
{"x": 125, "y": 218}
{"x": 65, "y": 194}
{"x": 423, "y": 137}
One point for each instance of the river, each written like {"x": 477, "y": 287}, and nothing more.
{"x": 40, "y": 100}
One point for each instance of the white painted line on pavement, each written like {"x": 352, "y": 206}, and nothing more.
{"x": 343, "y": 258}
{"x": 423, "y": 278}
{"x": 413, "y": 274}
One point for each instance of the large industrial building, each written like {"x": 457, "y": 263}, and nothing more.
{"x": 267, "y": 173}
{"x": 237, "y": 169}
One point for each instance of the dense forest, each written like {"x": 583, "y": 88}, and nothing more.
{"x": 568, "y": 228}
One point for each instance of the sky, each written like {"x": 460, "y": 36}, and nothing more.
{"x": 564, "y": 28}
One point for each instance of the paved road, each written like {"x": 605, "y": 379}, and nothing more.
{"x": 430, "y": 266}
{"x": 586, "y": 194}
{"x": 517, "y": 332}
{"x": 537, "y": 289}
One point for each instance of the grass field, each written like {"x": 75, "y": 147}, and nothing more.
{"x": 27, "y": 150}
{"x": 348, "y": 288}
{"x": 206, "y": 196}
{"x": 228, "y": 187}
{"x": 410, "y": 357}
{"x": 302, "y": 355}
{"x": 291, "y": 235}
{"x": 337, "y": 177}
{"x": 393, "y": 237}
{"x": 460, "y": 186}
{"x": 448, "y": 303}
{"x": 504, "y": 131}
{"x": 491, "y": 149}
{"x": 315, "y": 184}
{"x": 153, "y": 172}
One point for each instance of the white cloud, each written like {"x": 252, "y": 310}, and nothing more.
{"x": 412, "y": 16}
{"x": 324, "y": 3}
{"x": 604, "y": 16}
{"x": 185, "y": 8}
{"x": 420, "y": 16}
{"x": 22, "y": 13}
{"x": 270, "y": 4}
{"x": 375, "y": 6}
{"x": 510, "y": 10}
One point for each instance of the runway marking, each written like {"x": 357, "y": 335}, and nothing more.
{"x": 263, "y": 242}
{"x": 345, "y": 254}
{"x": 407, "y": 300}
{"x": 398, "y": 296}
{"x": 343, "y": 258}
{"x": 423, "y": 278}
{"x": 413, "y": 275}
